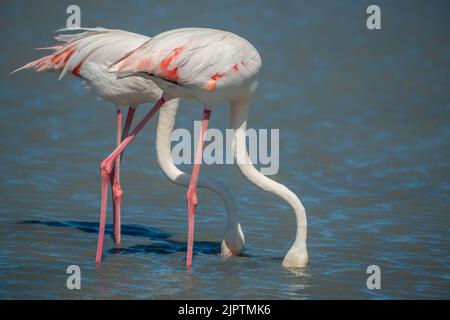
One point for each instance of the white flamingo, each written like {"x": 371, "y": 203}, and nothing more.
{"x": 210, "y": 66}
{"x": 87, "y": 55}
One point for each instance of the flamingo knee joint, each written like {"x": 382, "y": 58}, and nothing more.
{"x": 191, "y": 197}
{"x": 105, "y": 167}
{"x": 117, "y": 191}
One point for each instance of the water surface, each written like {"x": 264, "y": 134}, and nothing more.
{"x": 364, "y": 119}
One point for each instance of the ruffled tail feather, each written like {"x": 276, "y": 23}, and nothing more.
{"x": 42, "y": 64}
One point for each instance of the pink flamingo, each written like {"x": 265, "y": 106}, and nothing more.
{"x": 87, "y": 56}
{"x": 210, "y": 66}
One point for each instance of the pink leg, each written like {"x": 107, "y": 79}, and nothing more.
{"x": 106, "y": 168}
{"x": 191, "y": 195}
{"x": 117, "y": 193}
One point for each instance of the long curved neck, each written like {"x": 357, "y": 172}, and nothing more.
{"x": 239, "y": 115}
{"x": 166, "y": 123}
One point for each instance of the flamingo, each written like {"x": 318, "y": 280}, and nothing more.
{"x": 209, "y": 66}
{"x": 87, "y": 56}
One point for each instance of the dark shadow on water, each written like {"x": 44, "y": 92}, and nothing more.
{"x": 92, "y": 227}
{"x": 163, "y": 245}
{"x": 168, "y": 247}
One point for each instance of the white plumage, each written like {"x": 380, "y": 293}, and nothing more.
{"x": 89, "y": 54}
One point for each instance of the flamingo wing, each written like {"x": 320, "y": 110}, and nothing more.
{"x": 188, "y": 57}
{"x": 73, "y": 50}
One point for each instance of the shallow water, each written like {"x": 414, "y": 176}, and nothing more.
{"x": 364, "y": 126}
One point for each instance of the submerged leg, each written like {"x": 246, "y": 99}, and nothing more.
{"x": 117, "y": 192}
{"x": 106, "y": 168}
{"x": 191, "y": 195}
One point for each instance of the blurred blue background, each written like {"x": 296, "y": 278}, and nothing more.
{"x": 364, "y": 127}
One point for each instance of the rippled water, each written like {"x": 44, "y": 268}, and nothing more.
{"x": 364, "y": 120}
